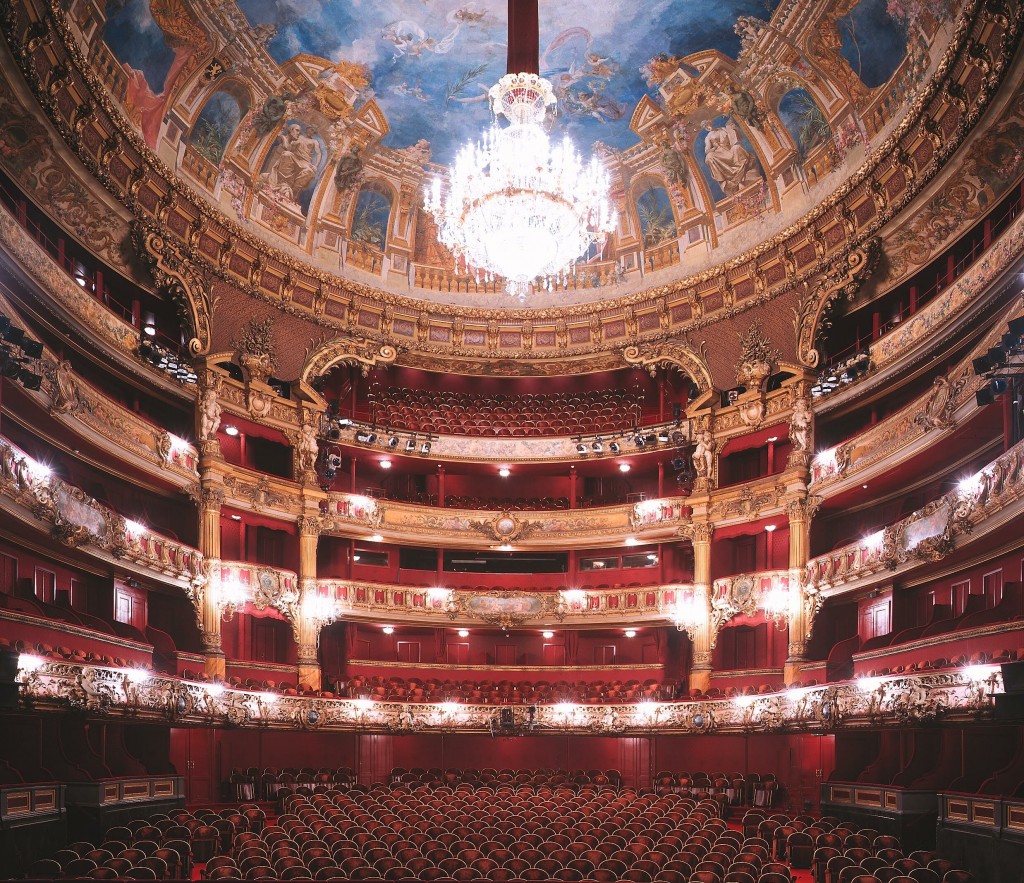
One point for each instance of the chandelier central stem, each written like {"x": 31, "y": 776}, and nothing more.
{"x": 517, "y": 206}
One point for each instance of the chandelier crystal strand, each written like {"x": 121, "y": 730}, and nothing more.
{"x": 517, "y": 206}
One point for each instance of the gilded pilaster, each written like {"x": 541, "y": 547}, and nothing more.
{"x": 700, "y": 671}
{"x": 308, "y": 624}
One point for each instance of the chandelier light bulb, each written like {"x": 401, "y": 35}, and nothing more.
{"x": 518, "y": 206}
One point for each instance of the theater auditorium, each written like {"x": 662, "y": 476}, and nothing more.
{"x": 512, "y": 440}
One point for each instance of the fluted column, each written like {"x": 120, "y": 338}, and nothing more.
{"x": 211, "y": 498}
{"x": 308, "y": 624}
{"x": 701, "y": 634}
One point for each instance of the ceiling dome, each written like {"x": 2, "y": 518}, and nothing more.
{"x": 316, "y": 126}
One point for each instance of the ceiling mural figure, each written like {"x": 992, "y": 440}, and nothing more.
{"x": 744, "y": 112}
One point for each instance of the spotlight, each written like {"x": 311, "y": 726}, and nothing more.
{"x": 425, "y": 448}
{"x": 334, "y": 434}
{"x": 677, "y": 463}
{"x": 997, "y": 356}
{"x": 393, "y": 442}
{"x": 410, "y": 445}
{"x": 14, "y": 335}
{"x": 365, "y": 437}
{"x": 999, "y": 385}
{"x": 639, "y": 441}
{"x": 334, "y": 461}
{"x": 614, "y": 447}
{"x": 1016, "y": 326}
{"x": 581, "y": 449}
{"x": 597, "y": 446}
{"x": 30, "y": 381}
{"x": 663, "y": 436}
{"x": 984, "y": 397}
{"x": 982, "y": 365}
{"x": 33, "y": 349}
{"x": 5, "y": 323}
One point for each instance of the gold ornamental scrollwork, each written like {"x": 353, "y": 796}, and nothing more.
{"x": 174, "y": 271}
{"x": 811, "y": 315}
{"x": 671, "y": 354}
{"x": 504, "y": 609}
{"x": 347, "y": 350}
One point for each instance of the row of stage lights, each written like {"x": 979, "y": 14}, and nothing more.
{"x": 19, "y": 355}
{"x": 1001, "y": 364}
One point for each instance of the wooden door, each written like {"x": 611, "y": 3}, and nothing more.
{"x": 192, "y": 753}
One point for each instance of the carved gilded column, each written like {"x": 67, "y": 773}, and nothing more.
{"x": 800, "y": 512}
{"x": 701, "y": 635}
{"x": 308, "y": 621}
{"x": 210, "y": 499}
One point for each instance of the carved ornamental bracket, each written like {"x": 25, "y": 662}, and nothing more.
{"x": 671, "y": 354}
{"x": 811, "y": 316}
{"x": 174, "y": 270}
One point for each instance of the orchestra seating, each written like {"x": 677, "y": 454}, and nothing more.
{"x": 469, "y": 833}
{"x": 396, "y": 689}
{"x": 577, "y": 413}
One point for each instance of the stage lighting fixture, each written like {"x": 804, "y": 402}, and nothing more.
{"x": 982, "y": 365}
{"x": 597, "y": 446}
{"x": 1016, "y": 326}
{"x": 5, "y": 323}
{"x": 581, "y": 449}
{"x": 393, "y": 441}
{"x": 997, "y": 356}
{"x": 425, "y": 448}
{"x": 14, "y": 335}
{"x": 639, "y": 441}
{"x": 614, "y": 447}
{"x": 410, "y": 445}
{"x": 33, "y": 349}
{"x": 334, "y": 434}
{"x": 12, "y": 370}
{"x": 30, "y": 380}
{"x": 663, "y": 436}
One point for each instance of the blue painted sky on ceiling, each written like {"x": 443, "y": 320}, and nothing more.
{"x": 433, "y": 60}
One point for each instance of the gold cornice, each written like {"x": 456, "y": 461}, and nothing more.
{"x": 199, "y": 211}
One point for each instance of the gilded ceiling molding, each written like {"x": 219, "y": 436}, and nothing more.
{"x": 54, "y": 67}
{"x": 811, "y": 315}
{"x": 177, "y": 276}
{"x": 671, "y": 354}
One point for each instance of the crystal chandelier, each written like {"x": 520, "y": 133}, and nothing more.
{"x": 517, "y": 206}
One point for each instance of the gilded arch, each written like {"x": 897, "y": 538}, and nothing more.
{"x": 671, "y": 354}
{"x": 346, "y": 350}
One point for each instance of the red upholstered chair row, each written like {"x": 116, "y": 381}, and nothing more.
{"x": 395, "y": 689}
{"x": 578, "y": 413}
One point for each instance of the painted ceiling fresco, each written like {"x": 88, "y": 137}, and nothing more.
{"x": 710, "y": 116}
